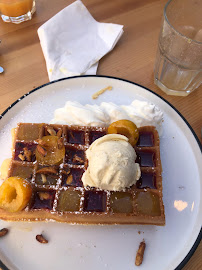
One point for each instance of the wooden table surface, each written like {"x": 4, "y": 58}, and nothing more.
{"x": 132, "y": 58}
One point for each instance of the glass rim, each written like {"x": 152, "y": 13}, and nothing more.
{"x": 165, "y": 16}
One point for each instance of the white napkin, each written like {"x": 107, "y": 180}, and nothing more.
{"x": 73, "y": 41}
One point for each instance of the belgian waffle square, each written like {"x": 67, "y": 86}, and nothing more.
{"x": 60, "y": 194}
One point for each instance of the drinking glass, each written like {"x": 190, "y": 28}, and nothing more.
{"x": 17, "y": 11}
{"x": 178, "y": 67}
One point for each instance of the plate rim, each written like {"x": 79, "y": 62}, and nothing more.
{"x": 199, "y": 237}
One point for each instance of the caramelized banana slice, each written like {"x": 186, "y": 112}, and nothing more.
{"x": 50, "y": 150}
{"x": 126, "y": 128}
{"x": 15, "y": 193}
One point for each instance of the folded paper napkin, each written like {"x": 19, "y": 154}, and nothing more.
{"x": 73, "y": 41}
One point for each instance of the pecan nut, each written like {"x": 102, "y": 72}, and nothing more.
{"x": 3, "y": 232}
{"x": 69, "y": 179}
{"x": 59, "y": 133}
{"x": 60, "y": 143}
{"x": 44, "y": 196}
{"x": 42, "y": 143}
{"x": 51, "y": 131}
{"x": 27, "y": 154}
{"x": 67, "y": 172}
{"x": 41, "y": 239}
{"x": 77, "y": 159}
{"x": 42, "y": 151}
{"x": 43, "y": 178}
{"x": 21, "y": 157}
{"x": 140, "y": 254}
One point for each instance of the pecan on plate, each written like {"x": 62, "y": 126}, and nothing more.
{"x": 41, "y": 239}
{"x": 3, "y": 232}
{"x": 140, "y": 254}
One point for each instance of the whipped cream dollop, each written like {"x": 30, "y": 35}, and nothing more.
{"x": 111, "y": 164}
{"x": 142, "y": 113}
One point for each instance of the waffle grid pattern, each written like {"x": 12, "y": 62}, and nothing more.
{"x": 139, "y": 204}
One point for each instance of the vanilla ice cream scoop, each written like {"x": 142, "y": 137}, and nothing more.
{"x": 111, "y": 164}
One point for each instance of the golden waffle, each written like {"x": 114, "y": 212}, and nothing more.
{"x": 61, "y": 196}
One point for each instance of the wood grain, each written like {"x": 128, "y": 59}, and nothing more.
{"x": 132, "y": 58}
